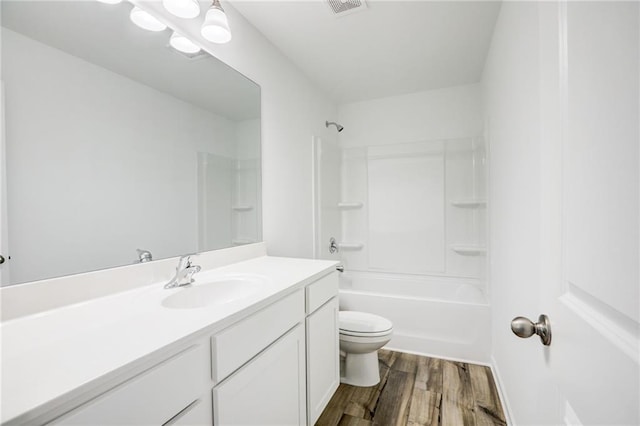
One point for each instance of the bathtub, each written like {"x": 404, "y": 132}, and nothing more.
{"x": 437, "y": 316}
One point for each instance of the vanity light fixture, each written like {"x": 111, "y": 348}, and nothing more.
{"x": 110, "y": 1}
{"x": 216, "y": 27}
{"x": 183, "y": 44}
{"x": 182, "y": 8}
{"x": 145, "y": 20}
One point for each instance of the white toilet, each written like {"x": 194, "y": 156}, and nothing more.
{"x": 361, "y": 335}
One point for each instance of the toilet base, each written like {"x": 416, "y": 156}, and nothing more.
{"x": 360, "y": 369}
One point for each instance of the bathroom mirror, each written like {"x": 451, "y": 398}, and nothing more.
{"x": 117, "y": 142}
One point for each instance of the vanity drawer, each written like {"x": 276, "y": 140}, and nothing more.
{"x": 153, "y": 397}
{"x": 319, "y": 292}
{"x": 237, "y": 344}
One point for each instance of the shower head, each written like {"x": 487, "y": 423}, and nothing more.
{"x": 331, "y": 123}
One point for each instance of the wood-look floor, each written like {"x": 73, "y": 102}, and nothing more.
{"x": 418, "y": 391}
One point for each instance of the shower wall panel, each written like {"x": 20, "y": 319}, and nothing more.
{"x": 406, "y": 213}
{"x": 420, "y": 210}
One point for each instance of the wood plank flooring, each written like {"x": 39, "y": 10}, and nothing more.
{"x": 418, "y": 391}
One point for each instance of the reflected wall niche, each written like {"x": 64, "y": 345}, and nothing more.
{"x": 117, "y": 142}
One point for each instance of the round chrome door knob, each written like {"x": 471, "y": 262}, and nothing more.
{"x": 2, "y": 259}
{"x": 524, "y": 327}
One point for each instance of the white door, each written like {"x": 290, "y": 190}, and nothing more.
{"x": 4, "y": 265}
{"x": 590, "y": 216}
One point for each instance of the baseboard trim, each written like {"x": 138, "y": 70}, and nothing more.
{"x": 501, "y": 391}
{"x": 430, "y": 355}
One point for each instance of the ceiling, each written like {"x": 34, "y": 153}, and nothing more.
{"x": 103, "y": 35}
{"x": 389, "y": 48}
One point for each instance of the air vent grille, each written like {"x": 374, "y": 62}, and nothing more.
{"x": 342, "y": 6}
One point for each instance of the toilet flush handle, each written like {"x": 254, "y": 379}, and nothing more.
{"x": 524, "y": 327}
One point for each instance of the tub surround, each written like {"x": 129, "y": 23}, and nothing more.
{"x": 80, "y": 348}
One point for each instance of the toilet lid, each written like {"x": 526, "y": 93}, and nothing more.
{"x": 362, "y": 322}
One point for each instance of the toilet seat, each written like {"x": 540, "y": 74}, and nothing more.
{"x": 362, "y": 324}
{"x": 367, "y": 334}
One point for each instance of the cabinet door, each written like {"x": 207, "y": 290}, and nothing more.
{"x": 269, "y": 390}
{"x": 323, "y": 358}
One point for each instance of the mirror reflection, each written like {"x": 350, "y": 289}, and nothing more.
{"x": 116, "y": 142}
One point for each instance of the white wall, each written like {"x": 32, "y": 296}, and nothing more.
{"x": 449, "y": 113}
{"x": 60, "y": 114}
{"x": 293, "y": 110}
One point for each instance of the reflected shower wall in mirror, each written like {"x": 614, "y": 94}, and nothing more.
{"x": 116, "y": 142}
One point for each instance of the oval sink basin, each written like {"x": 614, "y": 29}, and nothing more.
{"x": 214, "y": 292}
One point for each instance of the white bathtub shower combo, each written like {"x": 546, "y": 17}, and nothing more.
{"x": 413, "y": 244}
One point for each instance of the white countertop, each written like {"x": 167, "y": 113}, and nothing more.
{"x": 56, "y": 355}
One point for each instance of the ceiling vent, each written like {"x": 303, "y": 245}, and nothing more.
{"x": 346, "y": 7}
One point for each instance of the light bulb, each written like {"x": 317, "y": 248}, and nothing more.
{"x": 145, "y": 20}
{"x": 183, "y": 44}
{"x": 182, "y": 8}
{"x": 216, "y": 27}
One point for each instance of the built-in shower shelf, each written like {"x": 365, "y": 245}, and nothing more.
{"x": 240, "y": 241}
{"x": 350, "y": 206}
{"x": 469, "y": 250}
{"x": 350, "y": 245}
{"x": 242, "y": 208}
{"x": 469, "y": 203}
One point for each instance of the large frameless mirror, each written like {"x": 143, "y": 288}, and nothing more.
{"x": 116, "y": 142}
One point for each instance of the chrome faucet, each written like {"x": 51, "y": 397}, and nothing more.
{"x": 184, "y": 272}
{"x": 144, "y": 256}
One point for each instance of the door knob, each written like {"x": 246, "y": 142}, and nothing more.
{"x": 524, "y": 327}
{"x": 2, "y": 259}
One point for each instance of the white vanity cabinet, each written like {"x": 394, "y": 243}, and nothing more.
{"x": 271, "y": 388}
{"x": 278, "y": 365}
{"x": 323, "y": 350}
